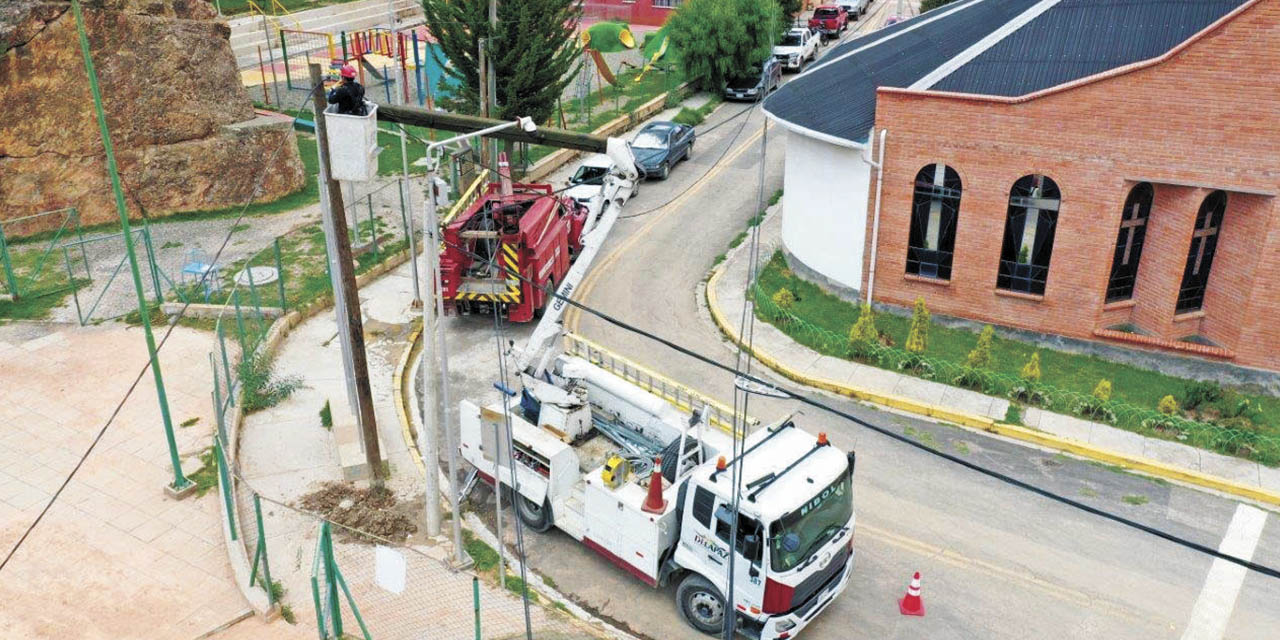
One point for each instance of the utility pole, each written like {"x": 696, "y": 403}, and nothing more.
{"x": 336, "y": 220}
{"x": 181, "y": 487}
{"x": 432, "y": 403}
{"x": 484, "y": 96}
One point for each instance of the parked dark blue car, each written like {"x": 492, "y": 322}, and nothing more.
{"x": 659, "y": 145}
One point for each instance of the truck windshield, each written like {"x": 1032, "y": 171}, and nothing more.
{"x": 795, "y": 536}
{"x": 791, "y": 40}
{"x": 825, "y": 13}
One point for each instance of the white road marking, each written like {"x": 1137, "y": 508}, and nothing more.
{"x": 1212, "y": 611}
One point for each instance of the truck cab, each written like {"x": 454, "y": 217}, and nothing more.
{"x": 794, "y": 544}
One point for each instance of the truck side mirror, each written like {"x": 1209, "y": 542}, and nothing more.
{"x": 751, "y": 550}
{"x": 853, "y": 458}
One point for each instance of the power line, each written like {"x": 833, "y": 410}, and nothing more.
{"x": 804, "y": 399}
{"x": 137, "y": 379}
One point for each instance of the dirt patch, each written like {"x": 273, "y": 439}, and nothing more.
{"x": 365, "y": 514}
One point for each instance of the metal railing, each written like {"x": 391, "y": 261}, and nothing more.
{"x": 682, "y": 397}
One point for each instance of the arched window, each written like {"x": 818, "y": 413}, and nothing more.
{"x": 934, "y": 210}
{"x": 1204, "y": 243}
{"x": 1028, "y": 234}
{"x": 1133, "y": 230}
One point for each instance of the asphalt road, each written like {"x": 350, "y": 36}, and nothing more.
{"x": 997, "y": 561}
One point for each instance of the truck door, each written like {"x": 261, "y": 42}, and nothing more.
{"x": 748, "y": 588}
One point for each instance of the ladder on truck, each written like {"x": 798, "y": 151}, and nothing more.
{"x": 684, "y": 455}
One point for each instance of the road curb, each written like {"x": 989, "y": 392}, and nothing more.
{"x": 398, "y": 396}
{"x": 985, "y": 424}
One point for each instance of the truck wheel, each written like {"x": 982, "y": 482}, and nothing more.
{"x": 534, "y": 516}
{"x": 701, "y": 604}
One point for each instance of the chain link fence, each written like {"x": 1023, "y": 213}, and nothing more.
{"x": 1252, "y": 445}
{"x": 342, "y": 581}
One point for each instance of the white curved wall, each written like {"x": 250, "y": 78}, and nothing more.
{"x": 824, "y": 207}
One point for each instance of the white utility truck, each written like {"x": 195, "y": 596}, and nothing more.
{"x": 585, "y": 446}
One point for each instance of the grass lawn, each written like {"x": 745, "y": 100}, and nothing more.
{"x": 42, "y": 280}
{"x": 820, "y": 312}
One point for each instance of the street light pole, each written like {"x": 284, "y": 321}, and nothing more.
{"x": 432, "y": 338}
{"x": 404, "y": 166}
{"x": 181, "y": 486}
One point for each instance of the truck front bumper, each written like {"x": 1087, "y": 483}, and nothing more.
{"x": 801, "y": 616}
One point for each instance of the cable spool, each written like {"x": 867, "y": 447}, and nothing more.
{"x": 615, "y": 472}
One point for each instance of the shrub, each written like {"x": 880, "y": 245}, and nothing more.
{"x": 261, "y": 387}
{"x": 1102, "y": 391}
{"x": 864, "y": 338}
{"x": 1168, "y": 406}
{"x": 1200, "y": 392}
{"x": 1031, "y": 370}
{"x": 918, "y": 336}
{"x": 783, "y": 299}
{"x": 980, "y": 356}
{"x": 1095, "y": 406}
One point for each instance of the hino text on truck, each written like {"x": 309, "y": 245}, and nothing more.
{"x": 649, "y": 486}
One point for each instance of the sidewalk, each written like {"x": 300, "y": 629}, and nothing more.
{"x": 726, "y": 291}
{"x": 114, "y": 557}
{"x": 285, "y": 454}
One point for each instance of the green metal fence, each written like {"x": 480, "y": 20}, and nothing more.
{"x": 28, "y": 267}
{"x": 326, "y": 579}
{"x": 1253, "y": 445}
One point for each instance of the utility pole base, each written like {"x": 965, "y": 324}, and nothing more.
{"x": 180, "y": 494}
{"x": 416, "y": 305}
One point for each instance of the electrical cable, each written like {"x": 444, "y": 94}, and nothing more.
{"x": 705, "y": 173}
{"x": 515, "y": 483}
{"x": 137, "y": 379}
{"x": 1002, "y": 477}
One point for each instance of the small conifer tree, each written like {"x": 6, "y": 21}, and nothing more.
{"x": 1031, "y": 370}
{"x": 918, "y": 336}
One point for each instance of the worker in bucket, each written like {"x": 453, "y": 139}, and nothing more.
{"x": 349, "y": 94}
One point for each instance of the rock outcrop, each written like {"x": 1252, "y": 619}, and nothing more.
{"x": 185, "y": 132}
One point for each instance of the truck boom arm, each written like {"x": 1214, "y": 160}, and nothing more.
{"x": 538, "y": 351}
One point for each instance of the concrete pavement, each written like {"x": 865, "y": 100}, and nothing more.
{"x": 114, "y": 557}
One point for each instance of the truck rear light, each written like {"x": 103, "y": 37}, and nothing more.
{"x": 777, "y": 596}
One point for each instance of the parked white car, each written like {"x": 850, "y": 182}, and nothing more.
{"x": 798, "y": 47}
{"x": 588, "y": 181}
{"x": 856, "y": 8}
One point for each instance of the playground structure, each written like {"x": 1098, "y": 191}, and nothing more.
{"x": 379, "y": 55}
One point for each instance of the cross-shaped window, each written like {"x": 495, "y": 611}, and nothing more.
{"x": 1133, "y": 230}
{"x": 1028, "y": 234}
{"x": 1204, "y": 243}
{"x": 931, "y": 239}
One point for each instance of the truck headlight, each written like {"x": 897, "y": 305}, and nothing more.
{"x": 785, "y": 625}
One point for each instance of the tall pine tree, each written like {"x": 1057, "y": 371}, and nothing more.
{"x": 535, "y": 54}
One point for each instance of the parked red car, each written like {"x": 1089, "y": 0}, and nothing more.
{"x": 830, "y": 20}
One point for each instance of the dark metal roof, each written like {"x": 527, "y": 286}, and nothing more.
{"x": 1071, "y": 40}
{"x": 1079, "y": 38}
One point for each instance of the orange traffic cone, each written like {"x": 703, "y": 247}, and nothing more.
{"x": 653, "y": 503}
{"x": 911, "y": 604}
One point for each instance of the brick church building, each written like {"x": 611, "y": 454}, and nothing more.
{"x": 1105, "y": 170}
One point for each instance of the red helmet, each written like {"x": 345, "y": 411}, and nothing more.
{"x": 348, "y": 71}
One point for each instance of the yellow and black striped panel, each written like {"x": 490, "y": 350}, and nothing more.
{"x": 511, "y": 296}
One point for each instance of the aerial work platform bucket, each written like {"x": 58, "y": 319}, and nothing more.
{"x": 353, "y": 143}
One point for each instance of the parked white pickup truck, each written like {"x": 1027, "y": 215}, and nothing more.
{"x": 798, "y": 47}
